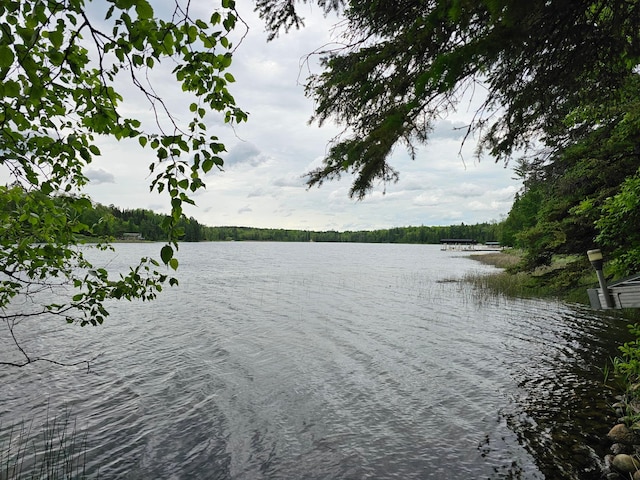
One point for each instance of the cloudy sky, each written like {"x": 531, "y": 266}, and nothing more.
{"x": 262, "y": 183}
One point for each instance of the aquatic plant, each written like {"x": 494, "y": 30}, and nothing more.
{"x": 58, "y": 452}
{"x": 516, "y": 285}
{"x": 626, "y": 370}
{"x": 628, "y": 364}
{"x": 567, "y": 278}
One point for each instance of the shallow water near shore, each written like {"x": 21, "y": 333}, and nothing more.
{"x": 314, "y": 360}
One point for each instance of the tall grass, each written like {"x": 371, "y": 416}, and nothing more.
{"x": 57, "y": 452}
{"x": 517, "y": 285}
{"x": 566, "y": 278}
{"x": 502, "y": 282}
{"x": 504, "y": 259}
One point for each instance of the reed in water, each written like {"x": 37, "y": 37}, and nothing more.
{"x": 518, "y": 284}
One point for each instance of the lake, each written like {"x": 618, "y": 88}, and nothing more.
{"x": 324, "y": 361}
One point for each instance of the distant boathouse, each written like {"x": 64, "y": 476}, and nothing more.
{"x": 468, "y": 244}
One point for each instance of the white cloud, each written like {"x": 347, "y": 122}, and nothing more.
{"x": 446, "y": 129}
{"x": 467, "y": 190}
{"x": 290, "y": 180}
{"x": 99, "y": 175}
{"x": 427, "y": 199}
{"x": 262, "y": 184}
{"x": 244, "y": 152}
{"x": 258, "y": 192}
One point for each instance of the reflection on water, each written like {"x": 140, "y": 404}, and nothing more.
{"x": 563, "y": 418}
{"x": 328, "y": 361}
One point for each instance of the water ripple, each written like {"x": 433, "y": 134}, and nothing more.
{"x": 327, "y": 361}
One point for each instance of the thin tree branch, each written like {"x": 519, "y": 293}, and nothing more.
{"x": 30, "y": 360}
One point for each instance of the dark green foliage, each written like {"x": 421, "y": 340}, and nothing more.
{"x": 626, "y": 367}
{"x": 619, "y": 226}
{"x": 407, "y": 63}
{"x": 482, "y": 232}
{"x": 523, "y": 215}
{"x": 582, "y": 196}
{"x": 282, "y": 14}
{"x": 113, "y": 223}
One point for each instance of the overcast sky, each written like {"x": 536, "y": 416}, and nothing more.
{"x": 262, "y": 183}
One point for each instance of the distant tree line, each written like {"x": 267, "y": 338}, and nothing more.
{"x": 482, "y": 232}
{"x": 111, "y": 221}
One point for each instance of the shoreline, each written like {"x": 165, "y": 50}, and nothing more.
{"x": 623, "y": 459}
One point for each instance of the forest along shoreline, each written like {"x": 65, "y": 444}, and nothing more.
{"x": 622, "y": 374}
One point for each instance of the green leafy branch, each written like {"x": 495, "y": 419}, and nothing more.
{"x": 60, "y": 67}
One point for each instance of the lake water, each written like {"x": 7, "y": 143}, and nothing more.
{"x": 325, "y": 361}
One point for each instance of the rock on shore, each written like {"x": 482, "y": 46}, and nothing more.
{"x": 624, "y": 460}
